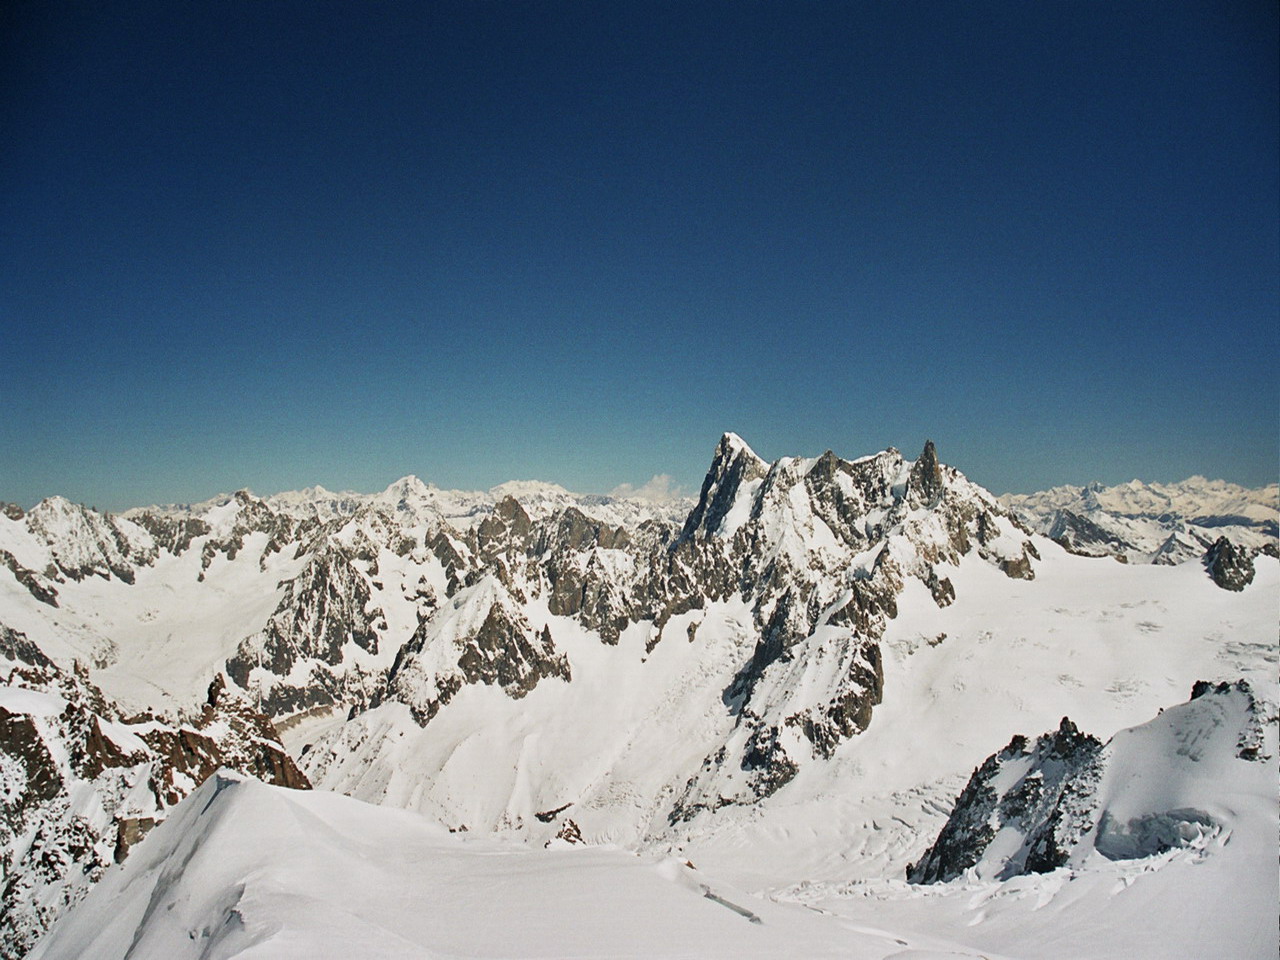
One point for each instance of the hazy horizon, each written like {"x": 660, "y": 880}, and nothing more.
{"x": 659, "y": 486}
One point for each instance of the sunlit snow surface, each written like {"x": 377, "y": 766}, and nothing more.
{"x": 251, "y": 871}
{"x": 261, "y": 872}
{"x": 245, "y": 870}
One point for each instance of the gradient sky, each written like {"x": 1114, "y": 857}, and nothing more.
{"x": 272, "y": 244}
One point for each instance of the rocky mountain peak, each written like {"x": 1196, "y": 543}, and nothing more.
{"x": 733, "y": 466}
{"x": 82, "y": 542}
{"x": 404, "y": 491}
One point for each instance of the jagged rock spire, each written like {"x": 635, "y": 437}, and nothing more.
{"x": 926, "y": 475}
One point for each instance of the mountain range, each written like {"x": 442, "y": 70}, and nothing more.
{"x": 785, "y": 680}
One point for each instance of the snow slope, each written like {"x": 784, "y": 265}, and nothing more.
{"x": 250, "y": 871}
{"x": 241, "y": 869}
{"x": 1177, "y": 858}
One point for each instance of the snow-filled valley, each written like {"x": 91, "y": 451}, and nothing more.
{"x": 538, "y": 724}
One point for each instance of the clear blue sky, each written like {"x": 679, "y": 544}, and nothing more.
{"x": 272, "y": 244}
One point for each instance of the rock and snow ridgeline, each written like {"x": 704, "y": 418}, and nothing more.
{"x": 1167, "y": 784}
{"x": 80, "y": 784}
{"x": 530, "y": 660}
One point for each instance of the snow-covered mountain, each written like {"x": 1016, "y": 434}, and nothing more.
{"x": 1159, "y": 843}
{"x": 1153, "y": 523}
{"x": 1196, "y": 499}
{"x": 785, "y": 681}
{"x": 1175, "y": 782}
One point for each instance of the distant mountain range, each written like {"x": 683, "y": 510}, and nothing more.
{"x": 1152, "y": 523}
{"x": 818, "y": 646}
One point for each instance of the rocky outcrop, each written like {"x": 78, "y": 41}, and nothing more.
{"x": 1229, "y": 566}
{"x": 1042, "y": 794}
{"x": 326, "y": 608}
{"x": 1032, "y": 808}
{"x": 18, "y": 649}
{"x": 924, "y": 484}
{"x": 173, "y": 534}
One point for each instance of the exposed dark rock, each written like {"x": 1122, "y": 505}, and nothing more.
{"x": 20, "y": 740}
{"x": 732, "y": 466}
{"x": 569, "y": 832}
{"x": 925, "y": 484}
{"x": 546, "y": 816}
{"x": 501, "y": 653}
{"x": 38, "y": 586}
{"x": 1229, "y": 566}
{"x": 129, "y": 831}
{"x": 15, "y": 645}
{"x": 172, "y": 534}
{"x": 940, "y": 588}
{"x": 1018, "y": 568}
{"x": 1049, "y": 799}
{"x": 767, "y": 762}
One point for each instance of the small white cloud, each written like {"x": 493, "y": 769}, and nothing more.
{"x": 658, "y": 489}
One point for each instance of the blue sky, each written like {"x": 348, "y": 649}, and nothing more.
{"x": 271, "y": 244}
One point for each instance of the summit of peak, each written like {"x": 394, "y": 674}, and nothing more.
{"x": 731, "y": 450}
{"x": 408, "y": 484}
{"x": 55, "y": 503}
{"x": 734, "y": 445}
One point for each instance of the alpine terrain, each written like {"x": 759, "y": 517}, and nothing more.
{"x": 766, "y": 721}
